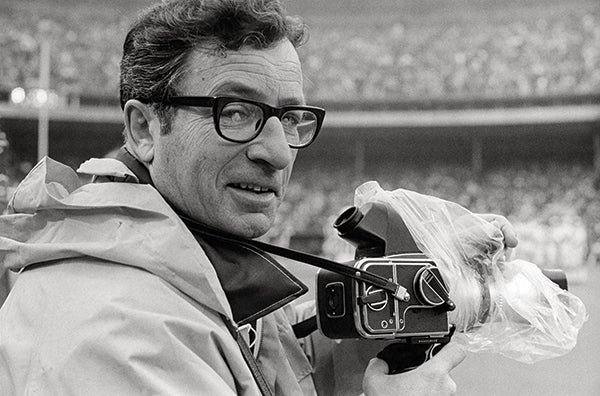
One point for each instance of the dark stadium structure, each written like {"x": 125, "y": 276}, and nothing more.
{"x": 360, "y": 140}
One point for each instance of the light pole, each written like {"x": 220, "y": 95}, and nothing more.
{"x": 44, "y": 83}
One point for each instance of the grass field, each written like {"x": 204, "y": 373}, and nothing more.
{"x": 575, "y": 374}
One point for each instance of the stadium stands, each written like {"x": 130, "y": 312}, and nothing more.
{"x": 521, "y": 56}
{"x": 557, "y": 54}
{"x": 85, "y": 53}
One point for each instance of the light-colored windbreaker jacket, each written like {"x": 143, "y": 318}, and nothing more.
{"x": 116, "y": 297}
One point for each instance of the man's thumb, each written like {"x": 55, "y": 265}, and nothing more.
{"x": 377, "y": 366}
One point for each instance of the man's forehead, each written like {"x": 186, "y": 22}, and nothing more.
{"x": 248, "y": 72}
{"x": 279, "y": 54}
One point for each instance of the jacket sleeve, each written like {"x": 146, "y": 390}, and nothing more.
{"x": 148, "y": 353}
{"x": 119, "y": 332}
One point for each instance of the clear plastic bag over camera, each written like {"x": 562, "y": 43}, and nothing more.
{"x": 506, "y": 307}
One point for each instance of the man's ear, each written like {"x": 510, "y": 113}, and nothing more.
{"x": 139, "y": 119}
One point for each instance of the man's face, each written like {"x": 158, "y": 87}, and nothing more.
{"x": 231, "y": 186}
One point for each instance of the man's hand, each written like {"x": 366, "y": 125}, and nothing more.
{"x": 430, "y": 378}
{"x": 507, "y": 230}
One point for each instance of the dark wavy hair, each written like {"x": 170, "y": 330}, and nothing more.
{"x": 160, "y": 41}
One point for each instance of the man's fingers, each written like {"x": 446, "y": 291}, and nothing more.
{"x": 507, "y": 229}
{"x": 451, "y": 355}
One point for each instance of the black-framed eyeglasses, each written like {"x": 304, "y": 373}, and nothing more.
{"x": 241, "y": 120}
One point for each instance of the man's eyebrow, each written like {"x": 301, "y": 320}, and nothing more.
{"x": 248, "y": 92}
{"x": 239, "y": 90}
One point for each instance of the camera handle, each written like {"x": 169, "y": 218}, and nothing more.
{"x": 411, "y": 352}
{"x": 397, "y": 291}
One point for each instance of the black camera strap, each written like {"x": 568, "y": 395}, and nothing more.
{"x": 396, "y": 290}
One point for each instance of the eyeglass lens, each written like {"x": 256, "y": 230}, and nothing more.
{"x": 241, "y": 121}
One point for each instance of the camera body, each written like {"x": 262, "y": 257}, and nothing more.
{"x": 347, "y": 308}
{"x": 351, "y": 309}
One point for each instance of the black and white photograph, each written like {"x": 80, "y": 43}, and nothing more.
{"x": 413, "y": 207}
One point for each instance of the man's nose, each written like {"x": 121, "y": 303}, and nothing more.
{"x": 271, "y": 146}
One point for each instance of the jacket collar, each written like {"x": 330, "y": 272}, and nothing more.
{"x": 254, "y": 282}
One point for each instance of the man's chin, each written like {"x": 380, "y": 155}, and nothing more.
{"x": 251, "y": 225}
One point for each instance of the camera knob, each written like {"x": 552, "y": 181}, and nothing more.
{"x": 430, "y": 287}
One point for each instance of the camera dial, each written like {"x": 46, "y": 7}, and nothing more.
{"x": 430, "y": 287}
{"x": 376, "y": 299}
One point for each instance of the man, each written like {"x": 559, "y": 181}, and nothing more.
{"x": 116, "y": 295}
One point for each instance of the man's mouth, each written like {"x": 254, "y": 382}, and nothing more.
{"x": 253, "y": 188}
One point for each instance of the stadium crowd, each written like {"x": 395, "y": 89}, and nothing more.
{"x": 85, "y": 52}
{"x": 554, "y": 53}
